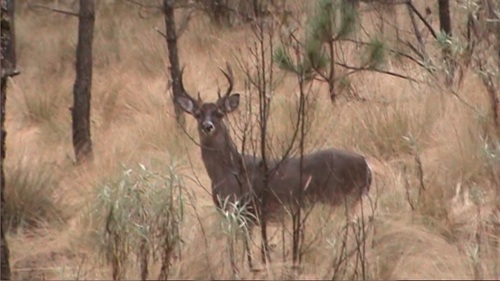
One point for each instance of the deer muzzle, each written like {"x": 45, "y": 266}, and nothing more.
{"x": 207, "y": 127}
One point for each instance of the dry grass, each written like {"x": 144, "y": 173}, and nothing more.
{"x": 132, "y": 123}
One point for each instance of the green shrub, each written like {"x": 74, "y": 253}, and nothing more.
{"x": 138, "y": 214}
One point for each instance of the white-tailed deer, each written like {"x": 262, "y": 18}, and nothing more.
{"x": 329, "y": 176}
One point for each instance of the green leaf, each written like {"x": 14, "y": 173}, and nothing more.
{"x": 332, "y": 19}
{"x": 320, "y": 24}
{"x": 375, "y": 53}
{"x": 315, "y": 54}
{"x": 349, "y": 16}
{"x": 283, "y": 59}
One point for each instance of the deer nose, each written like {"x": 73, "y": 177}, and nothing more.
{"x": 208, "y": 126}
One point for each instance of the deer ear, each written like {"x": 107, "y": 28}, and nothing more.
{"x": 231, "y": 103}
{"x": 186, "y": 103}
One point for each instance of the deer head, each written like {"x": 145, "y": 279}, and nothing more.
{"x": 210, "y": 115}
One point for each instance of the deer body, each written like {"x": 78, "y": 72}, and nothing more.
{"x": 328, "y": 176}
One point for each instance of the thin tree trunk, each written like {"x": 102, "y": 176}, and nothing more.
{"x": 173, "y": 56}
{"x": 444, "y": 16}
{"x": 331, "y": 75}
{"x": 8, "y": 61}
{"x": 82, "y": 142}
{"x": 219, "y": 12}
{"x": 5, "y": 271}
{"x": 445, "y": 26}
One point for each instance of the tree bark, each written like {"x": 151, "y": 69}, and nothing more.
{"x": 219, "y": 12}
{"x": 80, "y": 111}
{"x": 8, "y": 61}
{"x": 5, "y": 271}
{"x": 173, "y": 57}
{"x": 445, "y": 26}
{"x": 444, "y": 16}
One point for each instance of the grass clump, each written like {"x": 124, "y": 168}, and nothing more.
{"x": 29, "y": 196}
{"x": 138, "y": 214}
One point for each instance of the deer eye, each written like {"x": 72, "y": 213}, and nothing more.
{"x": 219, "y": 113}
{"x": 197, "y": 115}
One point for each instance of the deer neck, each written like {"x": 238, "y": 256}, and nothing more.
{"x": 220, "y": 156}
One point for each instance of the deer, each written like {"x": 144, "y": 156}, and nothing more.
{"x": 328, "y": 176}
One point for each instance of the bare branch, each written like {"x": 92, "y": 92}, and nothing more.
{"x": 184, "y": 23}
{"x": 396, "y": 52}
{"x": 414, "y": 49}
{"x": 368, "y": 68}
{"x": 413, "y": 9}
{"x": 465, "y": 102}
{"x": 69, "y": 13}
{"x": 146, "y": 6}
{"x": 181, "y": 29}
{"x": 160, "y": 32}
{"x": 418, "y": 35}
{"x": 419, "y": 15}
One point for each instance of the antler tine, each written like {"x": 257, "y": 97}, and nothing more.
{"x": 218, "y": 90}
{"x": 180, "y": 79}
{"x": 200, "y": 101}
{"x": 229, "y": 77}
{"x": 181, "y": 83}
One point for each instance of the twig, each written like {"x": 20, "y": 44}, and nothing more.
{"x": 418, "y": 35}
{"x": 466, "y": 103}
{"x": 184, "y": 23}
{"x": 142, "y": 5}
{"x": 161, "y": 32}
{"x": 69, "y": 13}
{"x": 396, "y": 52}
{"x": 424, "y": 21}
{"x": 414, "y": 49}
{"x": 369, "y": 68}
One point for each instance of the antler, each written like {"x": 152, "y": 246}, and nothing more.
{"x": 229, "y": 77}
{"x": 181, "y": 83}
{"x": 199, "y": 101}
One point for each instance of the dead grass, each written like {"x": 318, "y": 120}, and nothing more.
{"x": 132, "y": 123}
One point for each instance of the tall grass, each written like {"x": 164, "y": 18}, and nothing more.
{"x": 30, "y": 196}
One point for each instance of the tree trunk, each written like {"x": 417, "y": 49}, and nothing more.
{"x": 8, "y": 61}
{"x": 219, "y": 12}
{"x": 82, "y": 142}
{"x": 331, "y": 75}
{"x": 173, "y": 57}
{"x": 445, "y": 27}
{"x": 444, "y": 16}
{"x": 5, "y": 273}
